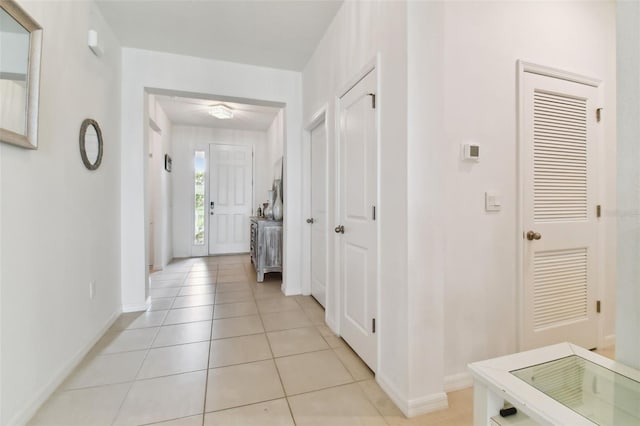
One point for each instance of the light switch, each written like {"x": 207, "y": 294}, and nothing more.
{"x": 492, "y": 201}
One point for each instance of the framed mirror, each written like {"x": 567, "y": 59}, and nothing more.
{"x": 20, "y": 51}
{"x": 91, "y": 144}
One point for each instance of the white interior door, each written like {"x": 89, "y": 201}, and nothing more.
{"x": 358, "y": 195}
{"x": 318, "y": 220}
{"x": 230, "y": 198}
{"x": 559, "y": 215}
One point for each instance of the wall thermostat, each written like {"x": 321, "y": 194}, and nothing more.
{"x": 471, "y": 151}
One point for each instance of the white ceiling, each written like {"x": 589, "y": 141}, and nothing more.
{"x": 279, "y": 34}
{"x": 194, "y": 112}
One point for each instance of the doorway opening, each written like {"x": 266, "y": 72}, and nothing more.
{"x": 226, "y": 153}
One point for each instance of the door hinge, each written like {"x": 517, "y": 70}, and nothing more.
{"x": 598, "y": 114}
{"x": 373, "y": 325}
{"x": 373, "y": 212}
{"x": 373, "y": 100}
{"x": 598, "y": 210}
{"x": 598, "y": 306}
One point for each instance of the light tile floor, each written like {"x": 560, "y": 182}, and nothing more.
{"x": 216, "y": 348}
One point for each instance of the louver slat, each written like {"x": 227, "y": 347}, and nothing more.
{"x": 560, "y": 289}
{"x": 560, "y": 158}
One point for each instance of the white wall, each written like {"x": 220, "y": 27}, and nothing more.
{"x": 163, "y": 201}
{"x": 188, "y": 139}
{"x": 363, "y": 32}
{"x": 60, "y": 222}
{"x": 275, "y": 151}
{"x": 448, "y": 269}
{"x": 145, "y": 69}
{"x": 628, "y": 289}
{"x": 473, "y": 66}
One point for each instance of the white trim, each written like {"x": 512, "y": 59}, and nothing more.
{"x": 331, "y": 323}
{"x": 520, "y": 167}
{"x": 393, "y": 393}
{"x": 524, "y": 66}
{"x": 334, "y": 287}
{"x": 285, "y": 289}
{"x": 31, "y": 407}
{"x": 317, "y": 117}
{"x": 456, "y": 382}
{"x": 416, "y": 406}
{"x": 137, "y": 307}
{"x": 379, "y": 107}
{"x": 427, "y": 404}
{"x": 609, "y": 341}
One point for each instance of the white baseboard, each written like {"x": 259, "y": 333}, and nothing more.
{"x": 413, "y": 407}
{"x": 331, "y": 324}
{"x": 609, "y": 340}
{"x": 287, "y": 291}
{"x": 31, "y": 407}
{"x": 427, "y": 404}
{"x": 137, "y": 308}
{"x": 458, "y": 381}
{"x": 393, "y": 393}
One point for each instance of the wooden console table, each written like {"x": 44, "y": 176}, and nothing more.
{"x": 562, "y": 384}
{"x": 266, "y": 246}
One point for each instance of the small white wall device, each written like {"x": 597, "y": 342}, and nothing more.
{"x": 492, "y": 201}
{"x": 471, "y": 151}
{"x": 93, "y": 43}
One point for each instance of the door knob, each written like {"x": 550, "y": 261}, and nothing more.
{"x": 531, "y": 235}
{"x": 339, "y": 229}
{"x": 310, "y": 220}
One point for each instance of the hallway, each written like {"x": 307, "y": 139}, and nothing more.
{"x": 216, "y": 342}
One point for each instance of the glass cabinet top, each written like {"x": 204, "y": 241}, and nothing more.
{"x": 595, "y": 392}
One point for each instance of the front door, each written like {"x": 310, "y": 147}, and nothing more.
{"x": 230, "y": 198}
{"x": 559, "y": 215}
{"x": 357, "y": 226}
{"x": 319, "y": 215}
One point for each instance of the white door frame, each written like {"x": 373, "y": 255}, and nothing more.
{"x": 528, "y": 67}
{"x": 334, "y": 320}
{"x": 318, "y": 117}
{"x": 157, "y": 201}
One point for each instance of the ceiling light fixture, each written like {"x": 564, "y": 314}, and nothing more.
{"x": 222, "y": 112}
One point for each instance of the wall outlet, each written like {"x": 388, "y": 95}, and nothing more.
{"x": 92, "y": 289}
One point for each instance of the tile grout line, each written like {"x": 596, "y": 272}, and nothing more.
{"x": 206, "y": 379}
{"x": 275, "y": 364}
{"x": 134, "y": 379}
{"x": 117, "y": 414}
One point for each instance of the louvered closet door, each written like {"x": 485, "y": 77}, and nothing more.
{"x": 559, "y": 204}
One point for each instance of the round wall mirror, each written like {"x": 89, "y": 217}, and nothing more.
{"x": 91, "y": 144}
